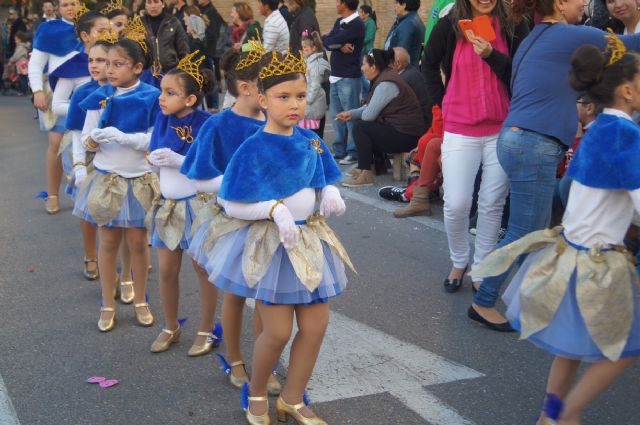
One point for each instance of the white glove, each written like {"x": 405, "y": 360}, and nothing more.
{"x": 289, "y": 232}
{"x": 99, "y": 136}
{"x": 137, "y": 141}
{"x": 80, "y": 175}
{"x": 165, "y": 157}
{"x": 331, "y": 202}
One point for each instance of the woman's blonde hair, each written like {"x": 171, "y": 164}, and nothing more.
{"x": 244, "y": 10}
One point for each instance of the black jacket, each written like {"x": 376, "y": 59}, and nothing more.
{"x": 303, "y": 20}
{"x": 213, "y": 29}
{"x": 415, "y": 80}
{"x": 171, "y": 43}
{"x": 439, "y": 51}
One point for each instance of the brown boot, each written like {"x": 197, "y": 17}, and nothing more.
{"x": 419, "y": 204}
{"x": 364, "y": 178}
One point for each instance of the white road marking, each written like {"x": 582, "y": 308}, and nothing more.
{"x": 433, "y": 223}
{"x": 7, "y": 412}
{"x": 357, "y": 360}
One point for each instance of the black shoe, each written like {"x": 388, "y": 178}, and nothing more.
{"x": 500, "y": 327}
{"x": 454, "y": 285}
{"x": 337, "y": 156}
{"x": 393, "y": 193}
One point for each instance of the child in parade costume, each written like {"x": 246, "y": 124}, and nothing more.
{"x": 270, "y": 245}
{"x": 576, "y": 294}
{"x": 118, "y": 126}
{"x": 206, "y": 163}
{"x": 82, "y": 163}
{"x": 55, "y": 48}
{"x": 169, "y": 222}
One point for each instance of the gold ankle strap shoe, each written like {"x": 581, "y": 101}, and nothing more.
{"x": 199, "y": 350}
{"x": 105, "y": 325}
{"x": 144, "y": 318}
{"x": 161, "y": 345}
{"x": 238, "y": 381}
{"x": 126, "y": 292}
{"x": 285, "y": 410}
{"x": 258, "y": 419}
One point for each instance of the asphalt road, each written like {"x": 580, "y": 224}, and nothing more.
{"x": 400, "y": 350}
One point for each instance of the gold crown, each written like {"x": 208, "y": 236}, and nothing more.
{"x": 615, "y": 47}
{"x": 135, "y": 30}
{"x": 107, "y": 35}
{"x": 113, "y": 5}
{"x": 289, "y": 65}
{"x": 192, "y": 67}
{"x": 81, "y": 9}
{"x": 255, "y": 52}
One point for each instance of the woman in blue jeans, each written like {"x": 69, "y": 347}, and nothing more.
{"x": 541, "y": 125}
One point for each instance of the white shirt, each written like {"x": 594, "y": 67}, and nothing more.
{"x": 301, "y": 205}
{"x": 354, "y": 15}
{"x": 599, "y": 215}
{"x": 38, "y": 61}
{"x": 113, "y": 157}
{"x": 275, "y": 35}
{"x": 62, "y": 94}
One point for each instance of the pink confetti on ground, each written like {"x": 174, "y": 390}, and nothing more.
{"x": 108, "y": 383}
{"x": 96, "y": 379}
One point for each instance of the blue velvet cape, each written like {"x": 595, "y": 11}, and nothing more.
{"x": 271, "y": 166}
{"x": 76, "y": 115}
{"x": 217, "y": 141}
{"x": 608, "y": 155}
{"x": 164, "y": 136}
{"x": 56, "y": 37}
{"x": 77, "y": 66}
{"x": 134, "y": 111}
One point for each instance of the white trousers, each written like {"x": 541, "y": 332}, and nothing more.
{"x": 461, "y": 160}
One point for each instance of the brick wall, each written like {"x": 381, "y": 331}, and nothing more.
{"x": 326, "y": 14}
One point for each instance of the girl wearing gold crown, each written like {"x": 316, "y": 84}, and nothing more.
{"x": 206, "y": 163}
{"x": 576, "y": 295}
{"x": 55, "y": 43}
{"x": 170, "y": 221}
{"x": 118, "y": 126}
{"x": 272, "y": 245}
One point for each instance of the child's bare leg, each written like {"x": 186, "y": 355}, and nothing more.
{"x": 125, "y": 262}
{"x": 170, "y": 262}
{"x": 208, "y": 302}
{"x": 89, "y": 238}
{"x": 561, "y": 377}
{"x": 137, "y": 243}
{"x": 232, "y": 315}
{"x": 107, "y": 254}
{"x": 54, "y": 168}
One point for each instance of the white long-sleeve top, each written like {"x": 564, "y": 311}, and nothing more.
{"x": 39, "y": 60}
{"x": 114, "y": 157}
{"x": 301, "y": 205}
{"x": 599, "y": 215}
{"x": 62, "y": 94}
{"x": 174, "y": 185}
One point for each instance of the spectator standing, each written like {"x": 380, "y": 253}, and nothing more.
{"x": 318, "y": 71}
{"x": 368, "y": 16}
{"x": 179, "y": 8}
{"x": 408, "y": 30}
{"x": 196, "y": 28}
{"x": 276, "y": 31}
{"x": 627, "y": 12}
{"x": 168, "y": 38}
{"x": 345, "y": 43}
{"x": 390, "y": 122}
{"x": 415, "y": 79}
{"x": 304, "y": 20}
{"x": 48, "y": 14}
{"x": 212, "y": 34}
{"x": 474, "y": 101}
{"x": 17, "y": 24}
{"x": 244, "y": 27}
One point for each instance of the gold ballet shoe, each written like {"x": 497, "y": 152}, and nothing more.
{"x": 52, "y": 210}
{"x": 285, "y": 410}
{"x": 274, "y": 387}
{"x": 107, "y": 325}
{"x": 126, "y": 292}
{"x": 145, "y": 320}
{"x": 238, "y": 381}
{"x": 199, "y": 350}
{"x": 90, "y": 274}
{"x": 258, "y": 419}
{"x": 159, "y": 345}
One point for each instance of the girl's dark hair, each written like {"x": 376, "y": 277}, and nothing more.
{"x": 118, "y": 12}
{"x": 462, "y": 10}
{"x": 410, "y": 5}
{"x": 21, "y": 35}
{"x": 228, "y": 64}
{"x": 382, "y": 59}
{"x": 521, "y": 9}
{"x": 590, "y": 73}
{"x": 369, "y": 11}
{"x": 87, "y": 21}
{"x": 134, "y": 51}
{"x": 104, "y": 44}
{"x": 190, "y": 85}
{"x": 314, "y": 38}
{"x": 265, "y": 84}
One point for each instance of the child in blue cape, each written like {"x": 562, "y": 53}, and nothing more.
{"x": 576, "y": 295}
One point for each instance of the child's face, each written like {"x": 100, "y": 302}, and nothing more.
{"x": 121, "y": 71}
{"x": 67, "y": 9}
{"x": 635, "y": 89}
{"x": 118, "y": 23}
{"x": 89, "y": 39}
{"x": 98, "y": 63}
{"x": 308, "y": 49}
{"x": 586, "y": 111}
{"x": 363, "y": 15}
{"x": 285, "y": 103}
{"x": 173, "y": 99}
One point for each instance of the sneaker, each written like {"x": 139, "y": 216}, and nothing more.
{"x": 393, "y": 193}
{"x": 348, "y": 160}
{"x": 337, "y": 156}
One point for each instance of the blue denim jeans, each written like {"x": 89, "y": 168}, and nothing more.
{"x": 530, "y": 160}
{"x": 344, "y": 95}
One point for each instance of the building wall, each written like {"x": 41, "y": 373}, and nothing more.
{"x": 327, "y": 15}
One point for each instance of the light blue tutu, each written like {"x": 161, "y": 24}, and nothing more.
{"x": 66, "y": 157}
{"x": 131, "y": 214}
{"x": 59, "y": 126}
{"x": 567, "y": 334}
{"x": 190, "y": 216}
{"x": 279, "y": 285}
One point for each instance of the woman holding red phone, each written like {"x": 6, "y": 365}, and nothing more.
{"x": 475, "y": 100}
